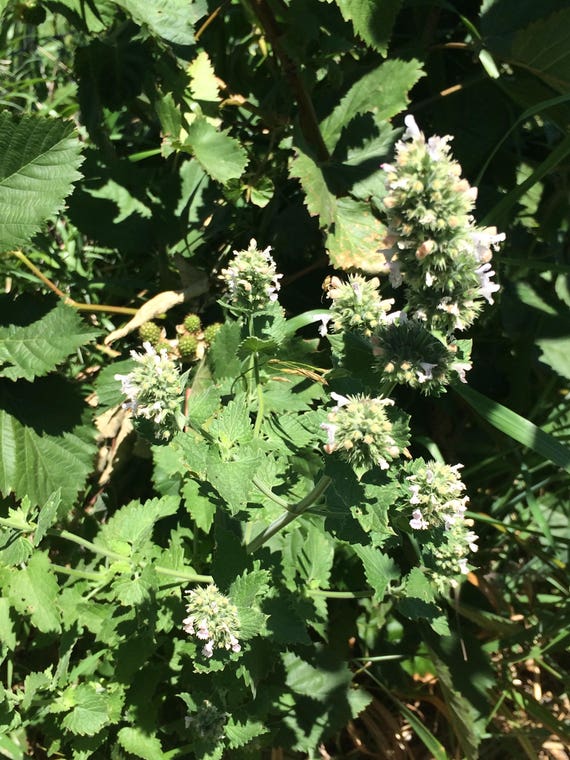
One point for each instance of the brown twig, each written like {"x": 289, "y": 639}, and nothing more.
{"x": 307, "y": 116}
{"x": 69, "y": 301}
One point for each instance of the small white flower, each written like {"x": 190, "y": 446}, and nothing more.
{"x": 427, "y": 372}
{"x": 418, "y": 522}
{"x": 208, "y": 649}
{"x": 340, "y": 400}
{"x": 323, "y": 328}
{"x": 412, "y": 131}
{"x": 488, "y": 287}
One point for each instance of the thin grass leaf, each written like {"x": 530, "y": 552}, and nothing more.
{"x": 520, "y": 429}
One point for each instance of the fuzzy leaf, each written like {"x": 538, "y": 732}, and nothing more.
{"x": 132, "y": 525}
{"x": 372, "y": 20}
{"x": 379, "y": 569}
{"x": 89, "y": 709}
{"x": 222, "y": 156}
{"x": 36, "y": 349}
{"x": 39, "y": 159}
{"x": 47, "y": 516}
{"x": 173, "y": 20}
{"x": 139, "y": 744}
{"x": 34, "y": 590}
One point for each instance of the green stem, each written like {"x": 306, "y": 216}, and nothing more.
{"x": 338, "y": 594}
{"x": 76, "y": 573}
{"x": 291, "y": 514}
{"x": 260, "y": 485}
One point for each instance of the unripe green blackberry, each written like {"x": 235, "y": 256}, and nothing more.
{"x": 187, "y": 345}
{"x": 151, "y": 333}
{"x": 211, "y": 331}
{"x": 192, "y": 323}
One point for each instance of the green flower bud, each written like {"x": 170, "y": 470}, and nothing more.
{"x": 192, "y": 323}
{"x": 150, "y": 332}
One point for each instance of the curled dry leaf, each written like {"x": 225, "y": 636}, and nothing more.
{"x": 160, "y": 304}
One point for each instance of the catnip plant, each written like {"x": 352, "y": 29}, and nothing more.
{"x": 304, "y": 466}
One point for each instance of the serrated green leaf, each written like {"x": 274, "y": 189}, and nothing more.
{"x": 89, "y": 710}
{"x": 378, "y": 568}
{"x": 240, "y": 733}
{"x": 47, "y": 516}
{"x": 542, "y": 47}
{"x": 139, "y": 744}
{"x": 318, "y": 198}
{"x": 33, "y": 592}
{"x": 36, "y": 465}
{"x": 356, "y": 238}
{"x": 133, "y": 588}
{"x": 34, "y": 683}
{"x": 233, "y": 479}
{"x": 126, "y": 203}
{"x": 200, "y": 508}
{"x": 232, "y": 427}
{"x": 555, "y": 352}
{"x": 132, "y": 525}
{"x": 311, "y": 554}
{"x": 223, "y": 351}
{"x": 372, "y": 20}
{"x": 173, "y": 20}
{"x": 384, "y": 91}
{"x": 246, "y": 592}
{"x": 253, "y": 345}
{"x": 35, "y": 350}
{"x": 39, "y": 159}
{"x": 221, "y": 156}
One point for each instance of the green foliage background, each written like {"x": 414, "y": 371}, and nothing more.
{"x": 140, "y": 143}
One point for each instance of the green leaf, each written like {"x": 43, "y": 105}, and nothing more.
{"x": 384, "y": 91}
{"x": 356, "y": 237}
{"x": 232, "y": 427}
{"x": 39, "y": 159}
{"x": 7, "y": 633}
{"x": 35, "y": 350}
{"x": 130, "y": 528}
{"x": 372, "y": 20}
{"x": 38, "y": 463}
{"x": 318, "y": 198}
{"x": 515, "y": 426}
{"x": 378, "y": 568}
{"x": 246, "y": 593}
{"x": 238, "y": 734}
{"x": 34, "y": 591}
{"x": 223, "y": 351}
{"x": 555, "y": 352}
{"x": 221, "y": 156}
{"x": 311, "y": 554}
{"x": 173, "y": 20}
{"x": 126, "y": 203}
{"x": 139, "y": 744}
{"x": 47, "y": 516}
{"x": 233, "y": 479}
{"x": 89, "y": 709}
{"x": 543, "y": 48}
{"x": 200, "y": 508}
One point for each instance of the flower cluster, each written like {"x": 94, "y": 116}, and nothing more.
{"x": 212, "y": 618}
{"x": 364, "y": 432}
{"x": 357, "y": 305}
{"x": 251, "y": 278}
{"x": 435, "y": 495}
{"x": 154, "y": 390}
{"x": 437, "y": 251}
{"x": 407, "y": 353}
